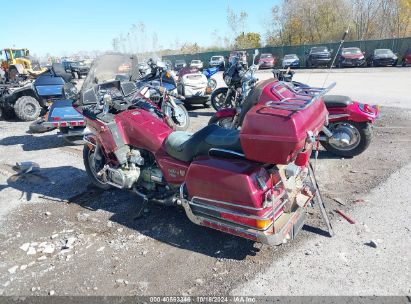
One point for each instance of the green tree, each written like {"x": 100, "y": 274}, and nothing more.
{"x": 248, "y": 41}
{"x": 190, "y": 48}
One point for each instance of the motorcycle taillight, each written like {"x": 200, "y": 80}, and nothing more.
{"x": 366, "y": 108}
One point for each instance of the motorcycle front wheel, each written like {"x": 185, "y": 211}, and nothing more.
{"x": 93, "y": 166}
{"x": 218, "y": 99}
{"x": 349, "y": 138}
{"x": 212, "y": 84}
{"x": 179, "y": 118}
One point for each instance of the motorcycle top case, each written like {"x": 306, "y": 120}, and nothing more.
{"x": 275, "y": 134}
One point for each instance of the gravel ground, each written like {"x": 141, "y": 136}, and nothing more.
{"x": 60, "y": 235}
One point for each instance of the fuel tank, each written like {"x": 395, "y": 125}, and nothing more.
{"x": 138, "y": 128}
{"x": 142, "y": 129}
{"x": 275, "y": 130}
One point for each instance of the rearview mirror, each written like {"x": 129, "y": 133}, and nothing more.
{"x": 256, "y": 52}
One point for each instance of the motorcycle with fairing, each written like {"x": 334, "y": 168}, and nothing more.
{"x": 254, "y": 183}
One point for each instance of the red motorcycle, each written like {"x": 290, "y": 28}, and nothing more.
{"x": 255, "y": 183}
{"x": 349, "y": 131}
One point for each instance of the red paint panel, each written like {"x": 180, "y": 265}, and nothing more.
{"x": 174, "y": 171}
{"x": 231, "y": 181}
{"x": 275, "y": 136}
{"x": 142, "y": 130}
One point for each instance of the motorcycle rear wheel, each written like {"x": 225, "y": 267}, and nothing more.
{"x": 361, "y": 132}
{"x": 89, "y": 164}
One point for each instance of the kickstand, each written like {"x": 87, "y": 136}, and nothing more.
{"x": 143, "y": 205}
{"x": 320, "y": 201}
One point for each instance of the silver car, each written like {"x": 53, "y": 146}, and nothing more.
{"x": 196, "y": 64}
{"x": 217, "y": 61}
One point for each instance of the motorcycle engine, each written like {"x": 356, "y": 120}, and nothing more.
{"x": 123, "y": 178}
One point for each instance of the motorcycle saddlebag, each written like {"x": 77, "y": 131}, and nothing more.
{"x": 234, "y": 191}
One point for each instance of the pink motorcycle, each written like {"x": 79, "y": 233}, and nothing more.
{"x": 349, "y": 132}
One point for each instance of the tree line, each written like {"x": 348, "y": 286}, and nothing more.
{"x": 315, "y": 21}
{"x": 291, "y": 22}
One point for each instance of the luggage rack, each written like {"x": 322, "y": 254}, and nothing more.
{"x": 295, "y": 104}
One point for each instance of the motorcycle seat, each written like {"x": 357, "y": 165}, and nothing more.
{"x": 337, "y": 101}
{"x": 185, "y": 146}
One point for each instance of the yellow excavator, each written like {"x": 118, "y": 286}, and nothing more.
{"x": 18, "y": 61}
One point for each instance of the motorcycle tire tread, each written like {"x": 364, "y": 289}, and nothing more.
{"x": 213, "y": 96}
{"x": 95, "y": 182}
{"x": 21, "y": 103}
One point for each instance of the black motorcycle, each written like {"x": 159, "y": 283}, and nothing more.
{"x": 239, "y": 81}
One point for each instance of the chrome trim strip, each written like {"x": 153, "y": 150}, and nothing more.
{"x": 270, "y": 239}
{"x": 335, "y": 116}
{"x": 235, "y": 225}
{"x": 227, "y": 151}
{"x": 236, "y": 213}
{"x": 226, "y": 203}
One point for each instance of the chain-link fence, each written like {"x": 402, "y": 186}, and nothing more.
{"x": 397, "y": 45}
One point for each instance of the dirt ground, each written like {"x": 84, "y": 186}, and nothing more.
{"x": 61, "y": 236}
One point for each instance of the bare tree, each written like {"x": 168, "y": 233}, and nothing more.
{"x": 236, "y": 22}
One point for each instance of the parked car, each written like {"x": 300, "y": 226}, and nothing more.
{"x": 406, "y": 59}
{"x": 382, "y": 57}
{"x": 350, "y": 57}
{"x": 217, "y": 61}
{"x": 242, "y": 55}
{"x": 79, "y": 68}
{"x": 179, "y": 64}
{"x": 76, "y": 67}
{"x": 266, "y": 60}
{"x": 291, "y": 60}
{"x": 318, "y": 56}
{"x": 196, "y": 64}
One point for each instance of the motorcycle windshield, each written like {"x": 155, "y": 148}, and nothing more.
{"x": 106, "y": 68}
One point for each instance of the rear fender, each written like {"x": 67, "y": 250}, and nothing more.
{"x": 91, "y": 140}
{"x": 355, "y": 112}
